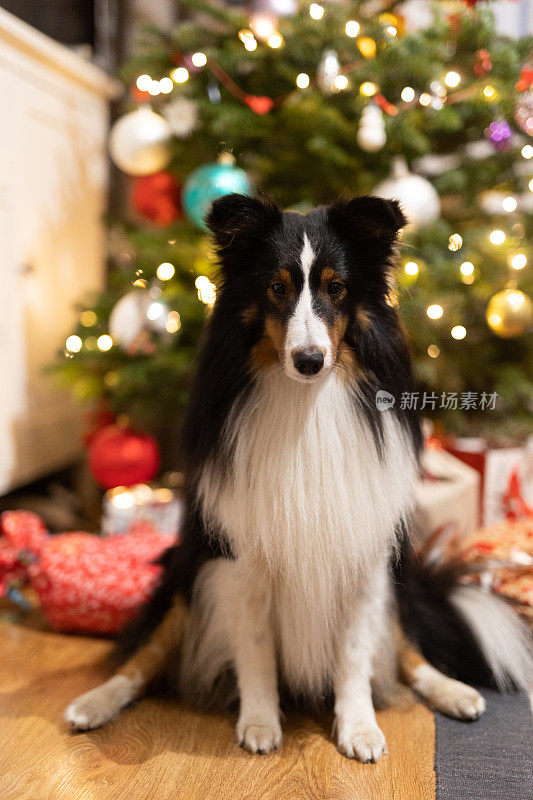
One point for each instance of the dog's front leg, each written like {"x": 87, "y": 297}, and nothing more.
{"x": 258, "y": 727}
{"x": 358, "y": 734}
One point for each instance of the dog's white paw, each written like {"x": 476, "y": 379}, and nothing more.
{"x": 361, "y": 740}
{"x": 257, "y": 735}
{"x": 458, "y": 700}
{"x": 100, "y": 705}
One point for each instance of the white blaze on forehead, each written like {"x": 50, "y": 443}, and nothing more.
{"x": 305, "y": 329}
{"x": 307, "y": 257}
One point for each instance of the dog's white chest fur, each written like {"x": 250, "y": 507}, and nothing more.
{"x": 310, "y": 499}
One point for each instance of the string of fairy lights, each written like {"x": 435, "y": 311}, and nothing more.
{"x": 263, "y": 31}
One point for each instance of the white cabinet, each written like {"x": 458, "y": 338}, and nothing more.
{"x": 53, "y": 172}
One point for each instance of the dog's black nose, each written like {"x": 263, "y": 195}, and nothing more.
{"x": 308, "y": 362}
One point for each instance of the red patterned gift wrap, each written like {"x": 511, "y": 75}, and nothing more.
{"x": 85, "y": 583}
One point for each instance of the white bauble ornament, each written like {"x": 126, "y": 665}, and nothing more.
{"x": 280, "y": 8}
{"x": 371, "y": 135}
{"x": 417, "y": 14}
{"x": 139, "y": 142}
{"x": 436, "y": 164}
{"x": 328, "y": 69}
{"x": 136, "y": 317}
{"x": 419, "y": 199}
{"x": 182, "y": 115}
{"x": 491, "y": 201}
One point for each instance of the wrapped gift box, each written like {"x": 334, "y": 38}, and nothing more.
{"x": 496, "y": 467}
{"x": 447, "y": 495}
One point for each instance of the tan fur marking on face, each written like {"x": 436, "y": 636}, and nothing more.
{"x": 347, "y": 361}
{"x": 249, "y": 314}
{"x": 282, "y": 276}
{"x": 364, "y": 318}
{"x": 266, "y": 352}
{"x": 328, "y": 275}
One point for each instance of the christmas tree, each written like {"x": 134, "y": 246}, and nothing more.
{"x": 307, "y": 102}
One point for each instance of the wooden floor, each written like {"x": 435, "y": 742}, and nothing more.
{"x": 159, "y": 750}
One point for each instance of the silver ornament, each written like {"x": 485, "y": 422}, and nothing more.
{"x": 139, "y": 142}
{"x": 371, "y": 135}
{"x": 328, "y": 69}
{"x": 137, "y": 317}
{"x": 419, "y": 199}
{"x": 182, "y": 115}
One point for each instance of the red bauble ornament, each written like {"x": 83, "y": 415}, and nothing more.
{"x": 157, "y": 198}
{"x": 121, "y": 457}
{"x": 259, "y": 104}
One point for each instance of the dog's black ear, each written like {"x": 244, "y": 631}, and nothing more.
{"x": 235, "y": 218}
{"x": 369, "y": 219}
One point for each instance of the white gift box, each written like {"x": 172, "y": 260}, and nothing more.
{"x": 448, "y": 495}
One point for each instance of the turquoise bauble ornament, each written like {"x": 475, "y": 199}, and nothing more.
{"x": 207, "y": 183}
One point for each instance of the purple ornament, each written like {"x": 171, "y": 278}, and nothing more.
{"x": 499, "y": 133}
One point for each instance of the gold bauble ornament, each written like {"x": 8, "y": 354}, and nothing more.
{"x": 509, "y": 313}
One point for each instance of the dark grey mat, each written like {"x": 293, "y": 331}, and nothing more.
{"x": 489, "y": 759}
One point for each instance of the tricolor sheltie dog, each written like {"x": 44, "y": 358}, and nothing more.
{"x": 294, "y": 569}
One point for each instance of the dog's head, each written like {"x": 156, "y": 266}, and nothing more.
{"x": 302, "y": 284}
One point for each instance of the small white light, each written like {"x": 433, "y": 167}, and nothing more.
{"x": 206, "y": 290}
{"x": 73, "y": 344}
{"x": 340, "y": 82}
{"x": 155, "y": 310}
{"x": 497, "y": 237}
{"x": 166, "y": 85}
{"x": 352, "y": 28}
{"x": 455, "y": 242}
{"x": 250, "y": 44}
{"x": 408, "y": 94}
{"x": 302, "y": 80}
{"x": 391, "y": 30}
{"x": 165, "y": 271}
{"x": 263, "y": 25}
{"x": 530, "y": 184}
{"x": 424, "y": 99}
{"x": 104, "y": 342}
{"x": 509, "y": 204}
{"x": 154, "y": 89}
{"x": 122, "y": 500}
{"x": 452, "y": 79}
{"x": 519, "y": 261}
{"x": 458, "y": 332}
{"x": 411, "y": 268}
{"x": 88, "y": 318}
{"x": 435, "y": 311}
{"x": 527, "y": 151}
{"x": 143, "y": 83}
{"x": 316, "y": 11}
{"x": 466, "y": 268}
{"x": 180, "y": 75}
{"x": 368, "y": 89}
{"x": 199, "y": 59}
{"x": 173, "y": 323}
{"x": 275, "y": 40}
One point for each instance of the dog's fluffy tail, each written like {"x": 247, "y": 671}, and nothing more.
{"x": 463, "y": 630}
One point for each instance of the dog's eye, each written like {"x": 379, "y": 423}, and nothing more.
{"x": 279, "y": 289}
{"x": 335, "y": 287}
